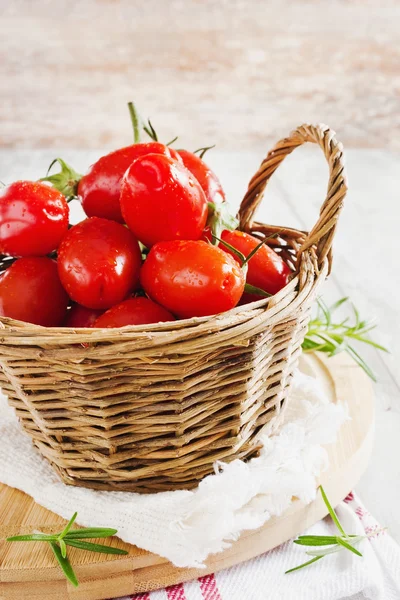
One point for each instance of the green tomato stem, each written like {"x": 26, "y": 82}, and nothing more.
{"x": 135, "y": 119}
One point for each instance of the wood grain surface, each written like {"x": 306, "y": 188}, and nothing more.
{"x": 238, "y": 73}
{"x": 30, "y": 570}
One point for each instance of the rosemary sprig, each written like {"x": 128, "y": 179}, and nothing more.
{"x": 74, "y": 538}
{"x": 328, "y": 544}
{"x": 331, "y": 337}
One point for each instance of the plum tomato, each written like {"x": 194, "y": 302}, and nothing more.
{"x": 100, "y": 188}
{"x": 205, "y": 176}
{"x": 99, "y": 263}
{"x": 33, "y": 218}
{"x": 31, "y": 291}
{"x": 266, "y": 269}
{"x": 174, "y": 154}
{"x": 134, "y": 311}
{"x": 80, "y": 316}
{"x": 161, "y": 201}
{"x": 192, "y": 278}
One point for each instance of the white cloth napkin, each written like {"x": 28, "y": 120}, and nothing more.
{"x": 342, "y": 576}
{"x": 187, "y": 526}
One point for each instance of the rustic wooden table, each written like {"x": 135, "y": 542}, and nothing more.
{"x": 233, "y": 72}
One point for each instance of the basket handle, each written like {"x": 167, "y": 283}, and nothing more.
{"x": 323, "y": 232}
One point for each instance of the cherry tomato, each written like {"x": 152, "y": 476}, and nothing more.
{"x": 80, "y": 316}
{"x": 33, "y": 218}
{"x": 161, "y": 200}
{"x": 205, "y": 176}
{"x": 100, "y": 188}
{"x": 266, "y": 269}
{"x": 174, "y": 154}
{"x": 192, "y": 278}
{"x": 134, "y": 311}
{"x": 99, "y": 263}
{"x": 31, "y": 291}
{"x": 207, "y": 236}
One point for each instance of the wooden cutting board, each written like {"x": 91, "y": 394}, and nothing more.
{"x": 30, "y": 571}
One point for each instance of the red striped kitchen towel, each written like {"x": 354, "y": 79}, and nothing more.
{"x": 375, "y": 576}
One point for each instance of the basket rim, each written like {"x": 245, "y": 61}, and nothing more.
{"x": 215, "y": 322}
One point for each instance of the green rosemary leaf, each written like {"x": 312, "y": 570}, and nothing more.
{"x": 359, "y": 338}
{"x": 312, "y": 346}
{"x": 357, "y": 316}
{"x": 331, "y": 511}
{"x": 328, "y": 544}
{"x": 309, "y": 562}
{"x": 74, "y": 538}
{"x": 339, "y": 303}
{"x": 90, "y": 532}
{"x": 331, "y": 337}
{"x": 325, "y": 311}
{"x": 63, "y": 548}
{"x": 68, "y": 526}
{"x": 361, "y": 362}
{"x": 345, "y": 544}
{"x": 323, "y": 540}
{"x": 64, "y": 564}
{"x": 32, "y": 537}
{"x": 94, "y": 547}
{"x": 316, "y": 540}
{"x": 325, "y": 551}
{"x": 340, "y": 543}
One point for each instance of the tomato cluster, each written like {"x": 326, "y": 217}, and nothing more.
{"x": 147, "y": 253}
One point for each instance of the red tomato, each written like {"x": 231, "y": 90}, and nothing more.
{"x": 174, "y": 154}
{"x": 80, "y": 316}
{"x": 266, "y": 269}
{"x": 192, "y": 278}
{"x": 205, "y": 176}
{"x": 206, "y": 236}
{"x": 33, "y": 218}
{"x": 161, "y": 201}
{"x": 134, "y": 311}
{"x": 31, "y": 291}
{"x": 99, "y": 263}
{"x": 100, "y": 188}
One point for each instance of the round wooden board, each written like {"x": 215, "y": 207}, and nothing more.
{"x": 30, "y": 571}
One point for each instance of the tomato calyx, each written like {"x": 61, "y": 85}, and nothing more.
{"x": 66, "y": 181}
{"x": 220, "y": 218}
{"x": 252, "y": 289}
{"x": 138, "y": 123}
{"x": 201, "y": 151}
{"x": 151, "y": 132}
{"x": 172, "y": 141}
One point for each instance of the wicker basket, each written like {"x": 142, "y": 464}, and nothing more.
{"x": 151, "y": 408}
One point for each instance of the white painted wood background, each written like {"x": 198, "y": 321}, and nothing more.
{"x": 365, "y": 267}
